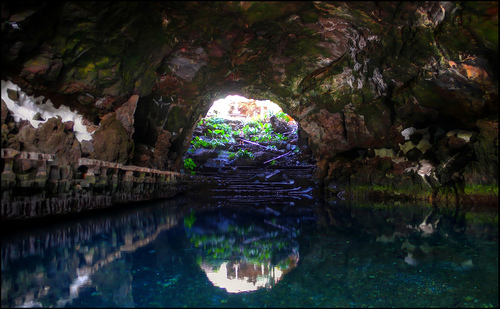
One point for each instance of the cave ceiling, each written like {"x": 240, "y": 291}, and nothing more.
{"x": 353, "y": 74}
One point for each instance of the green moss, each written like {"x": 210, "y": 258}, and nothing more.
{"x": 59, "y": 45}
{"x": 482, "y": 190}
{"x": 481, "y": 218}
{"x": 476, "y": 20}
{"x": 104, "y": 62}
{"x": 455, "y": 40}
{"x": 427, "y": 94}
{"x": 310, "y": 17}
{"x": 305, "y": 46}
{"x": 176, "y": 119}
{"x": 105, "y": 74}
{"x": 386, "y": 192}
{"x": 260, "y": 11}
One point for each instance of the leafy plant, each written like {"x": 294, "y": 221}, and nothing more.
{"x": 250, "y": 130}
{"x": 189, "y": 165}
{"x": 244, "y": 154}
{"x": 216, "y": 133}
{"x": 280, "y": 137}
{"x": 218, "y": 142}
{"x": 197, "y": 142}
{"x": 262, "y": 138}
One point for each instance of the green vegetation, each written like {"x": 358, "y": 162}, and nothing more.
{"x": 481, "y": 218}
{"x": 189, "y": 165}
{"x": 218, "y": 133}
{"x": 241, "y": 154}
{"x": 218, "y": 247}
{"x": 244, "y": 154}
{"x": 482, "y": 189}
{"x": 198, "y": 142}
{"x": 190, "y": 220}
{"x": 283, "y": 116}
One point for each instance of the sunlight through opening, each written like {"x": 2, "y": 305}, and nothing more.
{"x": 235, "y": 107}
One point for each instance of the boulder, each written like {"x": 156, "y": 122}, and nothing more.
{"x": 111, "y": 141}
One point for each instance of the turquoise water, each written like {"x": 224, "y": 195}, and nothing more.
{"x": 185, "y": 253}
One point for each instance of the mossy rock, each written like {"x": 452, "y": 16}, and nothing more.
{"x": 176, "y": 119}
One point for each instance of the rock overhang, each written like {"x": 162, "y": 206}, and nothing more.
{"x": 354, "y": 75}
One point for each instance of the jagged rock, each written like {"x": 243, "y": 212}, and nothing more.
{"x": 279, "y": 125}
{"x": 5, "y": 112}
{"x": 38, "y": 116}
{"x": 69, "y": 125}
{"x": 162, "y": 145}
{"x": 125, "y": 114}
{"x": 13, "y": 95}
{"x": 87, "y": 147}
{"x": 111, "y": 141}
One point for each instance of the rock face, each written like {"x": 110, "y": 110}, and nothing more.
{"x": 413, "y": 83}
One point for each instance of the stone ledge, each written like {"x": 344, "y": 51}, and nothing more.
{"x": 52, "y": 189}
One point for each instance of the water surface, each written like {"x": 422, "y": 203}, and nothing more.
{"x": 185, "y": 253}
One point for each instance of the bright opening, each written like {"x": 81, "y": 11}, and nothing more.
{"x": 236, "y": 107}
{"x": 33, "y": 109}
{"x": 239, "y": 129}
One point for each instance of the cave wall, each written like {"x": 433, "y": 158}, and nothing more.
{"x": 412, "y": 84}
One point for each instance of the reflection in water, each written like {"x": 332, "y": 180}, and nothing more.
{"x": 51, "y": 265}
{"x": 242, "y": 251}
{"x": 183, "y": 253}
{"x": 242, "y": 277}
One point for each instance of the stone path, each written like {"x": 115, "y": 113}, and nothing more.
{"x": 277, "y": 187}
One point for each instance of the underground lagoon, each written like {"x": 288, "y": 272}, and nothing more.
{"x": 242, "y": 154}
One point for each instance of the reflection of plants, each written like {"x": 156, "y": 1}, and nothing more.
{"x": 168, "y": 282}
{"x": 189, "y": 220}
{"x": 189, "y": 165}
{"x": 221, "y": 247}
{"x": 247, "y": 243}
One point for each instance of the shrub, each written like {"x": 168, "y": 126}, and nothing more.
{"x": 189, "y": 165}
{"x": 244, "y": 154}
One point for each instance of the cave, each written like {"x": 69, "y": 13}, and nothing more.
{"x": 392, "y": 104}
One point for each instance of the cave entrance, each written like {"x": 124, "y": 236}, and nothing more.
{"x": 235, "y": 107}
{"x": 239, "y": 131}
